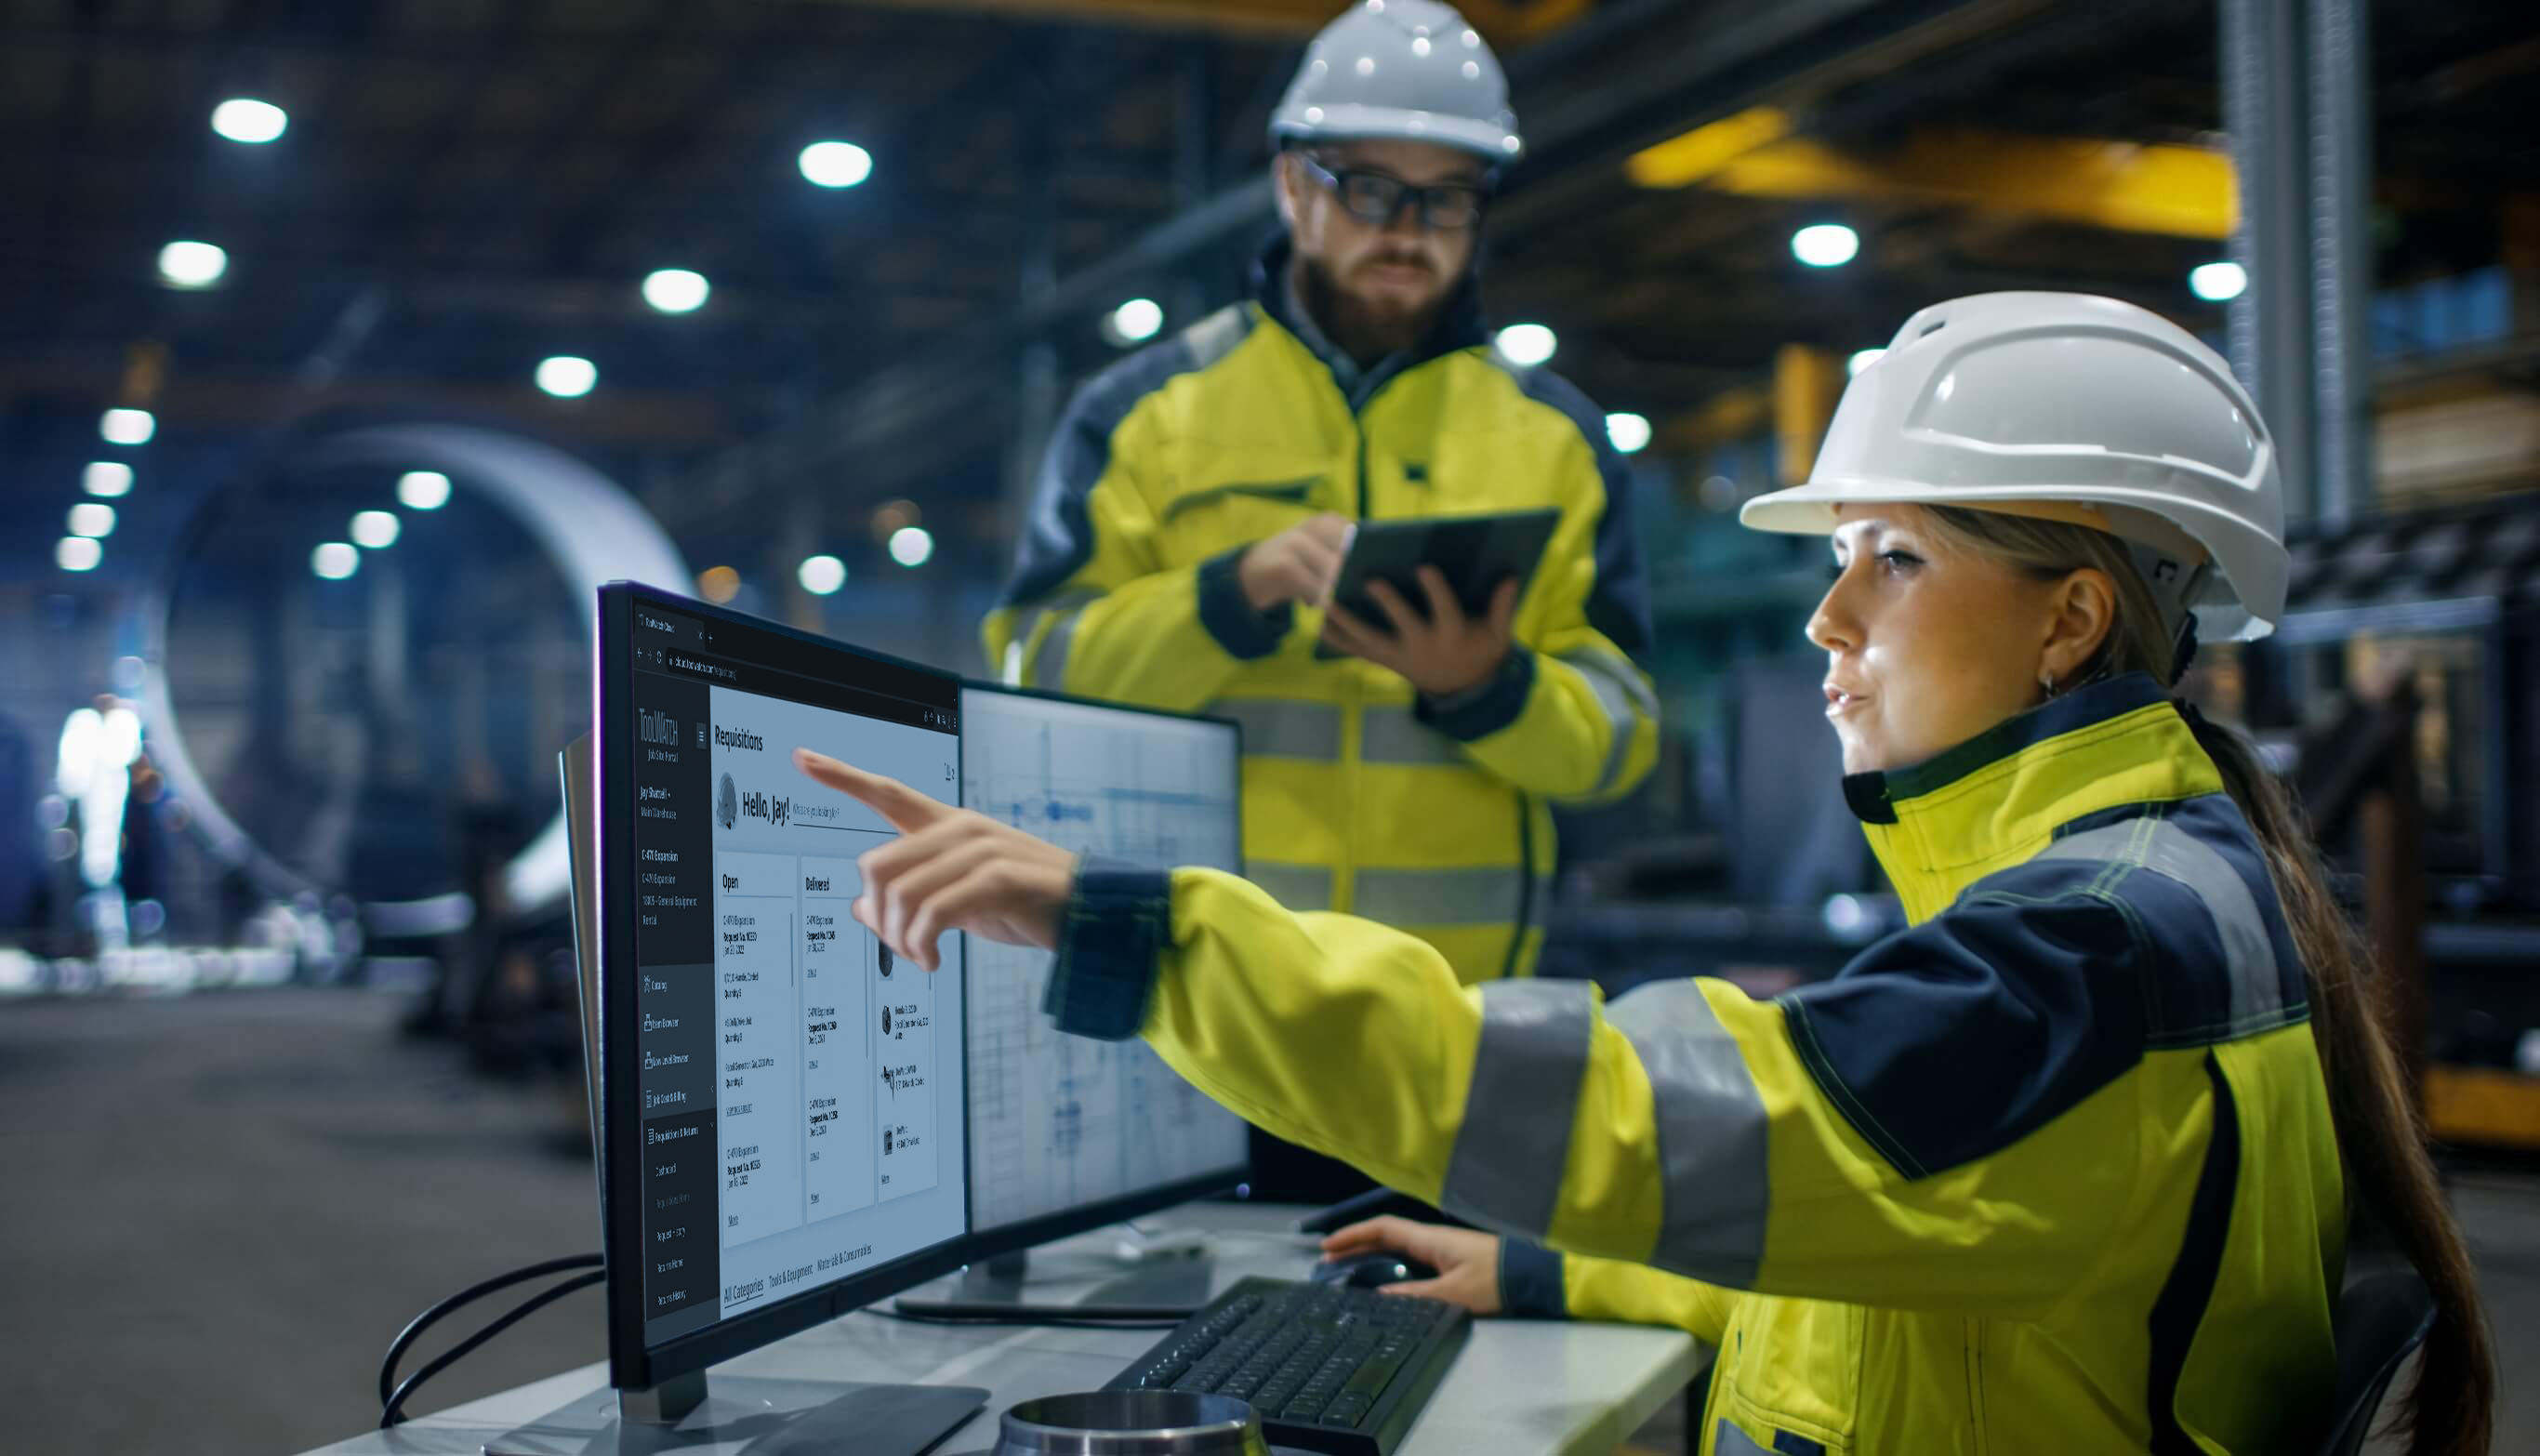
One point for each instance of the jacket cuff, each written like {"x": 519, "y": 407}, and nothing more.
{"x": 1118, "y": 921}
{"x": 1228, "y": 615}
{"x": 1530, "y": 1286}
{"x": 1489, "y": 705}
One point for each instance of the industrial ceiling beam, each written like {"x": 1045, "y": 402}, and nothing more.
{"x": 1501, "y": 20}
{"x": 2125, "y": 185}
{"x": 1669, "y": 62}
{"x": 677, "y": 418}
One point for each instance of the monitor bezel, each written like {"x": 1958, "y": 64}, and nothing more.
{"x": 631, "y": 1364}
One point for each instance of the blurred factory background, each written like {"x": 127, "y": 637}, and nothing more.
{"x": 324, "y": 328}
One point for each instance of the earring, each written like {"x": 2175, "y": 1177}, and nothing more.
{"x": 2046, "y": 681}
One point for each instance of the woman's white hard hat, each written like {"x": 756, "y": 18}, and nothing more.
{"x": 2074, "y": 407}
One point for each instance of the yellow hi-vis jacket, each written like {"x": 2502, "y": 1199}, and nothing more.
{"x": 2049, "y": 1171}
{"x": 1430, "y": 816}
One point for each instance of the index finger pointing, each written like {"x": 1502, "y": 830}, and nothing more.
{"x": 907, "y": 809}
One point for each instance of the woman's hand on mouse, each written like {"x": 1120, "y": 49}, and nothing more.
{"x": 1467, "y": 1262}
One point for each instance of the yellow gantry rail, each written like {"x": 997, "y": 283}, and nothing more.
{"x": 2127, "y": 186}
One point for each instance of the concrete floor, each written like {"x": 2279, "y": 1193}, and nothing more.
{"x": 216, "y": 1212}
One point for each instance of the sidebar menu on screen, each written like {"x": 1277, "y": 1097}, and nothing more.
{"x": 675, "y": 1003}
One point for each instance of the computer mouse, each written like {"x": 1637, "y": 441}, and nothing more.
{"x": 1371, "y": 1271}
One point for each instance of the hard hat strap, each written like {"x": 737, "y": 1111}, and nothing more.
{"x": 2173, "y": 583}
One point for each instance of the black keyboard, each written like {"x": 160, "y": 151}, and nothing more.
{"x": 1330, "y": 1368}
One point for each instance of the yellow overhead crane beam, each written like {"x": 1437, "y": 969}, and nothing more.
{"x": 2127, "y": 186}
{"x": 1503, "y": 20}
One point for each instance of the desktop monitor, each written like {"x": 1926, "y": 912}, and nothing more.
{"x": 1068, "y": 1134}
{"x": 791, "y": 1125}
{"x": 782, "y": 1129}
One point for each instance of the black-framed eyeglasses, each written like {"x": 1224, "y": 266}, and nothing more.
{"x": 1378, "y": 198}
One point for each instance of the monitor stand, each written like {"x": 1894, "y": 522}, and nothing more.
{"x": 1068, "y": 1285}
{"x": 745, "y": 1415}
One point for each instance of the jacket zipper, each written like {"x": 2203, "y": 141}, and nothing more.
{"x": 1525, "y": 884}
{"x": 1524, "y": 918}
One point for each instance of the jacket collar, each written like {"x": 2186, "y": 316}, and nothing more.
{"x": 1460, "y": 323}
{"x": 1997, "y": 800}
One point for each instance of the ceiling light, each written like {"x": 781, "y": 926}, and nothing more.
{"x": 2218, "y": 283}
{"x": 334, "y": 561}
{"x": 821, "y": 575}
{"x": 77, "y": 554}
{"x": 911, "y": 545}
{"x": 1629, "y": 432}
{"x": 1135, "y": 322}
{"x": 835, "y": 164}
{"x": 423, "y": 490}
{"x": 675, "y": 289}
{"x": 127, "y": 426}
{"x": 718, "y": 583}
{"x": 567, "y": 377}
{"x": 376, "y": 529}
{"x": 1825, "y": 246}
{"x": 191, "y": 264}
{"x": 107, "y": 478}
{"x": 92, "y": 518}
{"x": 1527, "y": 344}
{"x": 242, "y": 120}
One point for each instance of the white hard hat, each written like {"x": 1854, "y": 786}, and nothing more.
{"x": 2074, "y": 407}
{"x": 1407, "y": 69}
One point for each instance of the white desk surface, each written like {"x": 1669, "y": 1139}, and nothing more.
{"x": 1520, "y": 1385}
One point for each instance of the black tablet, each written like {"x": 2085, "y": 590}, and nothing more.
{"x": 1476, "y": 552}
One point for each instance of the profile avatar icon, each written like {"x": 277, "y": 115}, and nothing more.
{"x": 885, "y": 1141}
{"x": 727, "y": 804}
{"x": 885, "y": 1020}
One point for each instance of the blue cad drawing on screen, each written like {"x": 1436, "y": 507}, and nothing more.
{"x": 1058, "y": 1122}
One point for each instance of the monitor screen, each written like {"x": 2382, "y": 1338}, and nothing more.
{"x": 798, "y": 1095}
{"x": 1060, "y": 1125}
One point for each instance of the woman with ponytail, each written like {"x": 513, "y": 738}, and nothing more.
{"x": 2073, "y": 1164}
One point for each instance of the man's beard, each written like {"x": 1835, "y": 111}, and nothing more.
{"x": 1365, "y": 333}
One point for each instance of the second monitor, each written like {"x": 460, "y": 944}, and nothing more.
{"x": 1062, "y": 1129}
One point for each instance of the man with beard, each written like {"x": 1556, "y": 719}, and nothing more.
{"x": 1198, "y": 498}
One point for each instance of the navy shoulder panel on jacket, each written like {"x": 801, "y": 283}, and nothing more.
{"x": 1618, "y": 606}
{"x": 1953, "y": 1039}
{"x": 1059, "y": 538}
{"x": 2192, "y": 873}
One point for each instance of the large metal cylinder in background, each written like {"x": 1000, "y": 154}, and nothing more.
{"x": 589, "y": 527}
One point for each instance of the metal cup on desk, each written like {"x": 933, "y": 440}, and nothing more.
{"x": 1132, "y": 1422}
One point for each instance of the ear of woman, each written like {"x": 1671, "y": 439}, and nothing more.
{"x": 2079, "y": 612}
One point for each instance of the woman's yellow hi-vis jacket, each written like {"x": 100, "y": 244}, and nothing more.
{"x": 1429, "y": 816}
{"x": 2050, "y": 1171}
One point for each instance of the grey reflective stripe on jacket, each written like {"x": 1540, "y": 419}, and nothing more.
{"x": 1277, "y": 728}
{"x": 1396, "y": 735}
{"x": 1055, "y": 626}
{"x": 1515, "y": 1138}
{"x": 1489, "y": 894}
{"x": 1296, "y": 887}
{"x": 1710, "y": 1120}
{"x": 1626, "y": 698}
{"x": 1484, "y": 895}
{"x": 2163, "y": 848}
